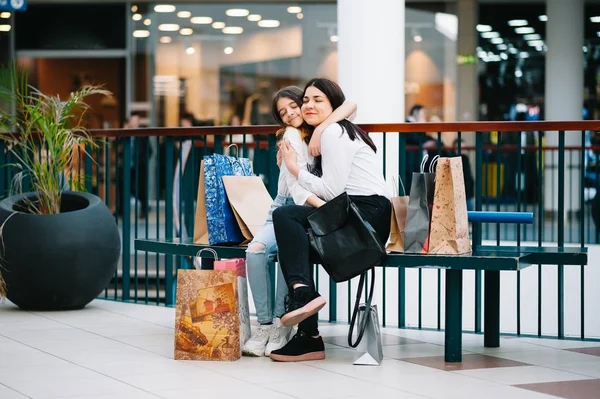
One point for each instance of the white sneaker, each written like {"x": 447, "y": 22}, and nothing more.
{"x": 279, "y": 337}
{"x": 255, "y": 346}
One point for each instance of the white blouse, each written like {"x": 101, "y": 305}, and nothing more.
{"x": 288, "y": 185}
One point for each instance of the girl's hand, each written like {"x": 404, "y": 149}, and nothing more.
{"x": 279, "y": 157}
{"x": 290, "y": 158}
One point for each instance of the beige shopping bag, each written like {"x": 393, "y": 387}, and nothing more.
{"x": 200, "y": 226}
{"x": 250, "y": 201}
{"x": 398, "y": 219}
{"x": 449, "y": 223}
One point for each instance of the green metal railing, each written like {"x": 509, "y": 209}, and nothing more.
{"x": 134, "y": 172}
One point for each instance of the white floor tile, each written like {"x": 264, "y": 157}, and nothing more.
{"x": 489, "y": 392}
{"x": 412, "y": 350}
{"x": 8, "y": 393}
{"x": 128, "y": 395}
{"x": 182, "y": 380}
{"x": 57, "y": 372}
{"x": 142, "y": 341}
{"x": 560, "y": 343}
{"x": 588, "y": 368}
{"x": 233, "y": 390}
{"x": 521, "y": 375}
{"x": 50, "y": 389}
{"x": 64, "y": 334}
{"x": 549, "y": 358}
{"x": 138, "y": 367}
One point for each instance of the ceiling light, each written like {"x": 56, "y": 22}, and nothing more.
{"x": 218, "y": 25}
{"x": 254, "y": 17}
{"x": 237, "y": 12}
{"x": 299, "y": 15}
{"x": 137, "y": 17}
{"x": 134, "y": 8}
{"x": 233, "y": 30}
{"x": 595, "y": 19}
{"x": 228, "y": 50}
{"x": 190, "y": 50}
{"x": 518, "y": 73}
{"x": 539, "y": 48}
{"x": 536, "y": 43}
{"x": 186, "y": 31}
{"x": 534, "y": 36}
{"x": 524, "y": 54}
{"x": 5, "y": 15}
{"x": 490, "y": 35}
{"x": 585, "y": 49}
{"x": 294, "y": 10}
{"x": 543, "y": 18}
{"x": 334, "y": 38}
{"x": 164, "y": 8}
{"x": 484, "y": 28}
{"x": 5, "y": 28}
{"x": 525, "y": 30}
{"x": 598, "y": 34}
{"x": 201, "y": 20}
{"x": 512, "y": 50}
{"x": 168, "y": 27}
{"x": 166, "y": 39}
{"x": 418, "y": 38}
{"x": 517, "y": 22}
{"x": 497, "y": 40}
{"x": 269, "y": 23}
{"x": 141, "y": 33}
{"x": 184, "y": 14}
{"x": 147, "y": 22}
{"x": 481, "y": 54}
{"x": 502, "y": 47}
{"x": 503, "y": 56}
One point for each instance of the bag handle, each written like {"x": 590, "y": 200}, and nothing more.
{"x": 434, "y": 161}
{"x": 237, "y": 150}
{"x": 365, "y": 320}
{"x": 423, "y": 162}
{"x": 212, "y": 251}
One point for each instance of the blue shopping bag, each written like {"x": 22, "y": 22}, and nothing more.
{"x": 222, "y": 225}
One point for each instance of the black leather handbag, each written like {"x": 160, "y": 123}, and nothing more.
{"x": 346, "y": 244}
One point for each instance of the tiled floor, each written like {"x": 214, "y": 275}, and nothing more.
{"x": 115, "y": 350}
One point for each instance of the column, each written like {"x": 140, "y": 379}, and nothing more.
{"x": 564, "y": 94}
{"x": 371, "y": 56}
{"x": 467, "y": 87}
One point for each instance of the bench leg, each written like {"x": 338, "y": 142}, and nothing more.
{"x": 453, "y": 331}
{"x": 491, "y": 324}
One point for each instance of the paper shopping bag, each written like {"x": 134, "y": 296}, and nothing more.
{"x": 207, "y": 324}
{"x": 398, "y": 220}
{"x": 250, "y": 201}
{"x": 418, "y": 215}
{"x": 449, "y": 223}
{"x": 238, "y": 266}
{"x": 370, "y": 349}
{"x": 200, "y": 226}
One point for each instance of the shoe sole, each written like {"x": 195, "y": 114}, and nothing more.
{"x": 299, "y": 315}
{"x": 300, "y": 358}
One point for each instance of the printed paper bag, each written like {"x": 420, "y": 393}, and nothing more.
{"x": 200, "y": 225}
{"x": 398, "y": 221}
{"x": 238, "y": 265}
{"x": 418, "y": 215}
{"x": 250, "y": 201}
{"x": 207, "y": 324}
{"x": 449, "y": 223}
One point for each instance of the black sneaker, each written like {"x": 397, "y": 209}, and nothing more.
{"x": 300, "y": 348}
{"x": 300, "y": 305}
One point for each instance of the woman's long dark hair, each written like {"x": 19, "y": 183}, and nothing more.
{"x": 336, "y": 97}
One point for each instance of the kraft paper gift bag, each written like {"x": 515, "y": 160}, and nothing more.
{"x": 418, "y": 216}
{"x": 207, "y": 323}
{"x": 250, "y": 201}
{"x": 449, "y": 223}
{"x": 398, "y": 220}
{"x": 200, "y": 226}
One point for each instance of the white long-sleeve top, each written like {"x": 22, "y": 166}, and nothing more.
{"x": 348, "y": 165}
{"x": 288, "y": 185}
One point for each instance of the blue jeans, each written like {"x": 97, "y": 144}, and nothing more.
{"x": 260, "y": 255}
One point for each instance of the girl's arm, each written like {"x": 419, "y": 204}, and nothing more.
{"x": 344, "y": 111}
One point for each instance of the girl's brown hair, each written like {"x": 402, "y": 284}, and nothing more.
{"x": 295, "y": 94}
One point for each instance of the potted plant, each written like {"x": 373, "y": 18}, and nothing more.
{"x": 59, "y": 246}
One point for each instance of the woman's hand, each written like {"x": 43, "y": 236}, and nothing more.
{"x": 314, "y": 147}
{"x": 290, "y": 158}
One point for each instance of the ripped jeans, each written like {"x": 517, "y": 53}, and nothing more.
{"x": 260, "y": 255}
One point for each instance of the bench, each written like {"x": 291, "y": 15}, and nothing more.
{"x": 490, "y": 259}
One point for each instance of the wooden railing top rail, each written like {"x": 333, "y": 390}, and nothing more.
{"x": 546, "y": 126}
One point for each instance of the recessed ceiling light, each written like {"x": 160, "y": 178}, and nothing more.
{"x": 134, "y": 8}
{"x": 228, "y": 50}
{"x": 524, "y": 54}
{"x": 186, "y": 31}
{"x": 201, "y": 20}
{"x": 190, "y": 50}
{"x": 512, "y": 50}
{"x": 5, "y": 15}
{"x": 536, "y": 43}
{"x": 299, "y": 15}
{"x": 534, "y": 36}
{"x": 294, "y": 10}
{"x": 517, "y": 22}
{"x": 218, "y": 25}
{"x": 5, "y": 28}
{"x": 484, "y": 28}
{"x": 502, "y": 47}
{"x": 269, "y": 23}
{"x": 166, "y": 39}
{"x": 168, "y": 27}
{"x": 254, "y": 17}
{"x": 418, "y": 38}
{"x": 147, "y": 22}
{"x": 137, "y": 17}
{"x": 490, "y": 35}
{"x": 504, "y": 56}
{"x": 233, "y": 30}
{"x": 595, "y": 19}
{"x": 543, "y": 18}
{"x": 164, "y": 8}
{"x": 184, "y": 14}
{"x": 141, "y": 33}
{"x": 497, "y": 40}
{"x": 334, "y": 38}
{"x": 237, "y": 12}
{"x": 525, "y": 30}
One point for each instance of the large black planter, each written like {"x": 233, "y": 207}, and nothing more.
{"x": 61, "y": 261}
